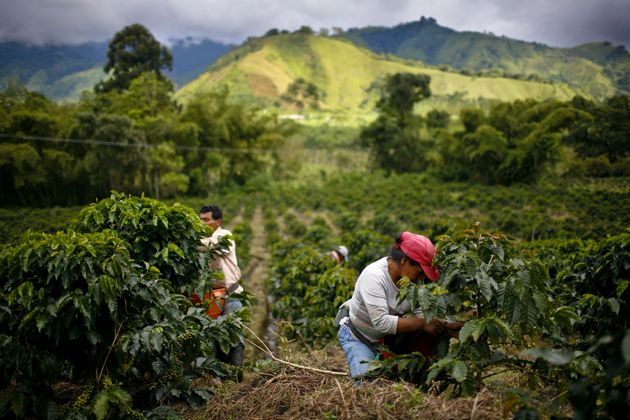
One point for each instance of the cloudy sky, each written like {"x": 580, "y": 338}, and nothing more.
{"x": 561, "y": 23}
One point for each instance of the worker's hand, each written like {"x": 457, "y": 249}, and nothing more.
{"x": 452, "y": 328}
{"x": 435, "y": 327}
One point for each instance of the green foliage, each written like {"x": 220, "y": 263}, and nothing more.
{"x": 126, "y": 160}
{"x": 14, "y": 223}
{"x": 507, "y": 293}
{"x": 100, "y": 310}
{"x": 517, "y": 142}
{"x": 163, "y": 236}
{"x": 606, "y": 132}
{"x": 597, "y": 379}
{"x": 322, "y": 300}
{"x": 22, "y": 163}
{"x": 133, "y": 51}
{"x": 242, "y": 142}
{"x": 401, "y": 91}
{"x": 437, "y": 119}
{"x": 394, "y": 137}
{"x": 307, "y": 285}
{"x": 302, "y": 93}
{"x": 594, "y": 279}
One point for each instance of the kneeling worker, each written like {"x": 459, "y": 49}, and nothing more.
{"x": 373, "y": 311}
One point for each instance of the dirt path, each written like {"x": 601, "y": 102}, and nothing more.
{"x": 255, "y": 277}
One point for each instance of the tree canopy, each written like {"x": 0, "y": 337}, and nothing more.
{"x": 394, "y": 137}
{"x": 133, "y": 51}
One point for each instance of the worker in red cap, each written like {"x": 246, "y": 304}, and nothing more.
{"x": 374, "y": 312}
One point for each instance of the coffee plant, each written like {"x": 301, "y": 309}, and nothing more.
{"x": 163, "y": 236}
{"x": 595, "y": 280}
{"x": 508, "y": 296}
{"x": 93, "y": 323}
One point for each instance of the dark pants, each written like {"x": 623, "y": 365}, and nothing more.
{"x": 410, "y": 342}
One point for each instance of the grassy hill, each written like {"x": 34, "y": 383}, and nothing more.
{"x": 484, "y": 52}
{"x": 60, "y": 72}
{"x": 347, "y": 76}
{"x": 615, "y": 61}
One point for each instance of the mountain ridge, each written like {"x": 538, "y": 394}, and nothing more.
{"x": 596, "y": 70}
{"x": 434, "y": 44}
{"x": 63, "y": 71}
{"x": 346, "y": 77}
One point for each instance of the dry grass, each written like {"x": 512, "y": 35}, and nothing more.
{"x": 281, "y": 392}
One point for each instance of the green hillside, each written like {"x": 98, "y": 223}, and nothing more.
{"x": 615, "y": 60}
{"x": 62, "y": 72}
{"x": 70, "y": 87}
{"x": 484, "y": 52}
{"x": 347, "y": 77}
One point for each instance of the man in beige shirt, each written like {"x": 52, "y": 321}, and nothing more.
{"x": 227, "y": 263}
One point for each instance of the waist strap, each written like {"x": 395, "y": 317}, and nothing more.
{"x": 232, "y": 288}
{"x": 361, "y": 337}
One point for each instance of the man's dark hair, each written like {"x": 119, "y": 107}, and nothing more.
{"x": 215, "y": 210}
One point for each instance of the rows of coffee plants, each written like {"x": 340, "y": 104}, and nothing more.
{"x": 96, "y": 321}
{"x": 305, "y": 283}
{"x": 541, "y": 285}
{"x": 553, "y": 311}
{"x": 585, "y": 209}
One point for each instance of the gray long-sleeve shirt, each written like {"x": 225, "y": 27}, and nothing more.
{"x": 374, "y": 309}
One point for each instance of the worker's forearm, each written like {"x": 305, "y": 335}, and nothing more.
{"x": 409, "y": 324}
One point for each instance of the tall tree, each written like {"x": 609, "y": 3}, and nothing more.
{"x": 133, "y": 51}
{"x": 401, "y": 92}
{"x": 394, "y": 137}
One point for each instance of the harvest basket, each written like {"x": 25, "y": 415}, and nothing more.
{"x": 215, "y": 301}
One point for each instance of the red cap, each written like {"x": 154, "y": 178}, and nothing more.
{"x": 420, "y": 249}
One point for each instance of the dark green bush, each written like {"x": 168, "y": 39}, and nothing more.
{"x": 89, "y": 325}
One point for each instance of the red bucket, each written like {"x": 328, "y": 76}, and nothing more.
{"x": 216, "y": 302}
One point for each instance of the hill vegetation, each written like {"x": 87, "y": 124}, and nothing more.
{"x": 346, "y": 77}
{"x": 596, "y": 70}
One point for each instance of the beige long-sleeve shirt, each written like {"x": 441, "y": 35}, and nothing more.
{"x": 227, "y": 262}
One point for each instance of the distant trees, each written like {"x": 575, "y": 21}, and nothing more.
{"x": 401, "y": 92}
{"x": 511, "y": 142}
{"x": 239, "y": 143}
{"x": 306, "y": 30}
{"x": 136, "y": 140}
{"x": 133, "y": 51}
{"x": 607, "y": 133}
{"x": 437, "y": 119}
{"x": 302, "y": 93}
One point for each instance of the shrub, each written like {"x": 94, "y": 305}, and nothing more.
{"x": 89, "y": 325}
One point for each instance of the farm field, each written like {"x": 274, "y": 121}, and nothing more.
{"x": 494, "y": 176}
{"x": 572, "y": 231}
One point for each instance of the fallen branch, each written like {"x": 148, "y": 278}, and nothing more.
{"x": 295, "y": 365}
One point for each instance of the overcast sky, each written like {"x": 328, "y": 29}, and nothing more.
{"x": 560, "y": 23}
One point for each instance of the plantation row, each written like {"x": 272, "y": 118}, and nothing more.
{"x": 96, "y": 320}
{"x": 567, "y": 333}
{"x": 553, "y": 311}
{"x": 588, "y": 209}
